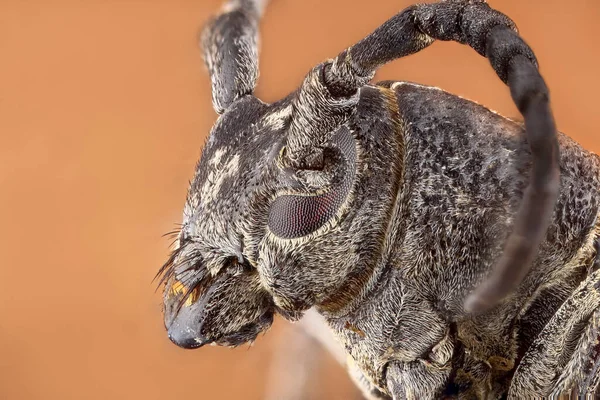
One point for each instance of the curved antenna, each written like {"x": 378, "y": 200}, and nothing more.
{"x": 333, "y": 86}
{"x": 230, "y": 46}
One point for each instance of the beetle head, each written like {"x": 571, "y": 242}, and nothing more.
{"x": 258, "y": 236}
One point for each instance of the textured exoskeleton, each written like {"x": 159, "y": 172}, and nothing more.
{"x": 451, "y": 251}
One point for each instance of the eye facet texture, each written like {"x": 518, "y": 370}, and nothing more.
{"x": 294, "y": 216}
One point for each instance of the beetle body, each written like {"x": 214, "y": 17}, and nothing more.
{"x": 384, "y": 206}
{"x": 451, "y": 206}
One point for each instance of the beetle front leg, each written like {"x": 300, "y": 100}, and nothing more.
{"x": 369, "y": 391}
{"x": 565, "y": 357}
{"x": 423, "y": 378}
{"x": 416, "y": 380}
{"x": 582, "y": 373}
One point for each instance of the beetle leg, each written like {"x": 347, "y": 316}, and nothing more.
{"x": 369, "y": 391}
{"x": 565, "y": 357}
{"x": 416, "y": 380}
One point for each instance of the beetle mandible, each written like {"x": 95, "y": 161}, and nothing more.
{"x": 451, "y": 251}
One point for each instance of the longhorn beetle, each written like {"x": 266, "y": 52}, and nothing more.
{"x": 451, "y": 251}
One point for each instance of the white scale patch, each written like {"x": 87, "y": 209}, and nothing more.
{"x": 216, "y": 159}
{"x": 277, "y": 119}
{"x": 217, "y": 176}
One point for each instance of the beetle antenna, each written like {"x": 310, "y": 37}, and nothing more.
{"x": 230, "y": 46}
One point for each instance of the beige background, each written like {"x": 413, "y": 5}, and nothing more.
{"x": 104, "y": 106}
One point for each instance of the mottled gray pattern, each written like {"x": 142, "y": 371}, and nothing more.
{"x": 435, "y": 194}
{"x": 230, "y": 45}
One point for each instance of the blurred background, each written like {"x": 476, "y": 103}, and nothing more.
{"x": 104, "y": 107}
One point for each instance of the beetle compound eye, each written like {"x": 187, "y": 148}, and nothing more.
{"x": 296, "y": 215}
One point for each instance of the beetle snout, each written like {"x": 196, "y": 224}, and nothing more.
{"x": 183, "y": 316}
{"x": 185, "y": 337}
{"x": 228, "y": 309}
